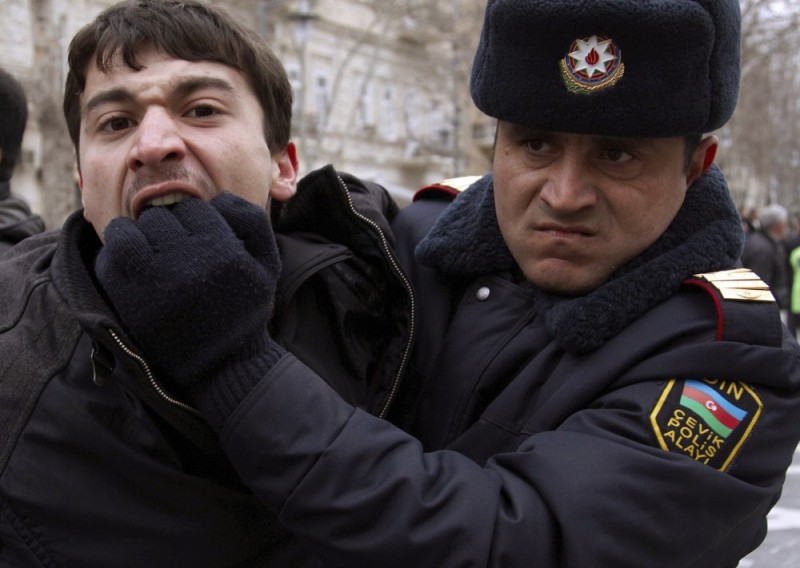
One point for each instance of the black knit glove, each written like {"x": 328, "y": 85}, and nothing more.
{"x": 193, "y": 285}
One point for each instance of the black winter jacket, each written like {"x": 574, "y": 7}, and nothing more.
{"x": 101, "y": 467}
{"x": 647, "y": 423}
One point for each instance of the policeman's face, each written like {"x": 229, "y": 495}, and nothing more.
{"x": 573, "y": 208}
{"x": 173, "y": 128}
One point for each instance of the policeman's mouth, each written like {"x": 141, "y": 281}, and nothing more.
{"x": 564, "y": 232}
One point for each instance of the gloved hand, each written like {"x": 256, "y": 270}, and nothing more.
{"x": 193, "y": 286}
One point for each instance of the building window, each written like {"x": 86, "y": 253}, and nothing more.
{"x": 413, "y": 115}
{"x": 388, "y": 114}
{"x": 296, "y": 81}
{"x": 365, "y": 107}
{"x": 441, "y": 131}
{"x": 322, "y": 98}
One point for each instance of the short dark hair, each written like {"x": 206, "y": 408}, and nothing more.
{"x": 185, "y": 29}
{"x": 14, "y": 113}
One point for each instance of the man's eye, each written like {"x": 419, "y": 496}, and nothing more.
{"x": 202, "y": 111}
{"x": 116, "y": 123}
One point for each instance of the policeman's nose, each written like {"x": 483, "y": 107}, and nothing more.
{"x": 569, "y": 186}
{"x": 157, "y": 140}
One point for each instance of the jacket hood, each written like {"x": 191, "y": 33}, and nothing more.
{"x": 706, "y": 235}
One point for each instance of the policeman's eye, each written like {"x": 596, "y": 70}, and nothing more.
{"x": 617, "y": 155}
{"x": 536, "y": 145}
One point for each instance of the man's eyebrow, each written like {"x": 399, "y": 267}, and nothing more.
{"x": 186, "y": 87}
{"x": 118, "y": 95}
{"x": 192, "y": 84}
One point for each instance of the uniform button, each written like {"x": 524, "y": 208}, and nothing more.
{"x": 482, "y": 293}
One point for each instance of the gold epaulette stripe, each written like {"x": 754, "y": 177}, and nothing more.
{"x": 739, "y": 284}
{"x": 459, "y": 183}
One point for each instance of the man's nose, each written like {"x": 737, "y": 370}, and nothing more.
{"x": 157, "y": 139}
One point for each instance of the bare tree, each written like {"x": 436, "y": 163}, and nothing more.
{"x": 57, "y": 180}
{"x": 760, "y": 144}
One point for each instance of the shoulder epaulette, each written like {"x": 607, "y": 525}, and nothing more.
{"x": 447, "y": 188}
{"x": 746, "y": 308}
{"x": 738, "y": 284}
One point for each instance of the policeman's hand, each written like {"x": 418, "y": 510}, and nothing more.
{"x": 193, "y": 286}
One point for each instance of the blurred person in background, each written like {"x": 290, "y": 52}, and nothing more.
{"x": 17, "y": 221}
{"x": 765, "y": 254}
{"x": 792, "y": 246}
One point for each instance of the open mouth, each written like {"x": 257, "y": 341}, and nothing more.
{"x": 166, "y": 200}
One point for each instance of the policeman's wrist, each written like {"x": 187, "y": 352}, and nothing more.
{"x": 218, "y": 397}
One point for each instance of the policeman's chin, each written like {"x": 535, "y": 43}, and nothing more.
{"x": 564, "y": 278}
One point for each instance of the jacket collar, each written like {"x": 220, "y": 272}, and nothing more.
{"x": 331, "y": 203}
{"x": 73, "y": 272}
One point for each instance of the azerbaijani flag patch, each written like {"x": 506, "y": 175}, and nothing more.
{"x": 708, "y": 420}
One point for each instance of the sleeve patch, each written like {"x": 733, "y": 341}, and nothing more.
{"x": 708, "y": 420}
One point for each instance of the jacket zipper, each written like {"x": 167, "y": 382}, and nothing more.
{"x": 149, "y": 374}
{"x": 399, "y": 271}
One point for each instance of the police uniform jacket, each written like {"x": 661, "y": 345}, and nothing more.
{"x": 647, "y": 423}
{"x": 100, "y": 465}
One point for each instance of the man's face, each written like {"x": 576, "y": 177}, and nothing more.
{"x": 574, "y": 208}
{"x": 175, "y": 128}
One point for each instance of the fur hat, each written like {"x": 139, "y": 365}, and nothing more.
{"x": 641, "y": 68}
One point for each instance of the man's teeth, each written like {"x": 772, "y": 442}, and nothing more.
{"x": 168, "y": 199}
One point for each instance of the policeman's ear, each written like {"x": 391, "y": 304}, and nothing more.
{"x": 284, "y": 177}
{"x": 702, "y": 158}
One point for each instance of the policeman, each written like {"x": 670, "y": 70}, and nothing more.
{"x": 593, "y": 383}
